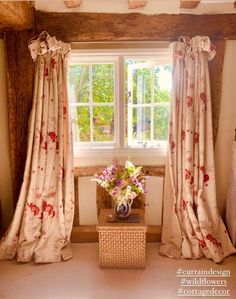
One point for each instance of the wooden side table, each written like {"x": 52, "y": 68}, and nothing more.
{"x": 121, "y": 245}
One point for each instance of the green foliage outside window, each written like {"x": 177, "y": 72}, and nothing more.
{"x": 95, "y": 83}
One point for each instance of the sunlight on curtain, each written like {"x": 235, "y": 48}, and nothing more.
{"x": 192, "y": 226}
{"x": 43, "y": 219}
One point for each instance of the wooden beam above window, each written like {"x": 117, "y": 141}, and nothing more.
{"x": 134, "y": 27}
{"x": 189, "y": 4}
{"x": 16, "y": 15}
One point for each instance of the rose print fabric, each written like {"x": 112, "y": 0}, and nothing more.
{"x": 192, "y": 226}
{"x": 43, "y": 219}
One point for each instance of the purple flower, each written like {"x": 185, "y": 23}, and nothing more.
{"x": 114, "y": 191}
{"x": 118, "y": 182}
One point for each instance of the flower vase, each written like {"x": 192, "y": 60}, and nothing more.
{"x": 123, "y": 210}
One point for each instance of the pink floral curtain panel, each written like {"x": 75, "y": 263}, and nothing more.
{"x": 192, "y": 226}
{"x": 43, "y": 219}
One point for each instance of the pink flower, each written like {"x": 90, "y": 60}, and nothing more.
{"x": 213, "y": 240}
{"x": 49, "y": 209}
{"x": 203, "y": 97}
{"x": 189, "y": 101}
{"x": 53, "y": 136}
{"x": 202, "y": 243}
{"x": 187, "y": 174}
{"x": 34, "y": 209}
{"x": 206, "y": 177}
{"x": 202, "y": 168}
{"x": 53, "y": 63}
{"x": 196, "y": 137}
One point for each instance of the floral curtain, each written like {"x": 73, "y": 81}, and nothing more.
{"x": 192, "y": 226}
{"x": 43, "y": 219}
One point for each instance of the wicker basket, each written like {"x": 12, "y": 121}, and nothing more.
{"x": 121, "y": 245}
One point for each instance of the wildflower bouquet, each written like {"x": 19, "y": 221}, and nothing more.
{"x": 124, "y": 183}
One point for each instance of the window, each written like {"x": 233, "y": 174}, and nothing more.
{"x": 92, "y": 98}
{"x": 148, "y": 98}
{"x": 119, "y": 100}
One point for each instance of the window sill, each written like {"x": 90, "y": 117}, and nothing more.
{"x": 100, "y": 157}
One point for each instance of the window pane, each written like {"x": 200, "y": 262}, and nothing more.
{"x": 83, "y": 124}
{"x": 142, "y": 123}
{"x": 162, "y": 83}
{"x": 79, "y": 83}
{"x": 103, "y": 83}
{"x": 103, "y": 119}
{"x": 161, "y": 120}
{"x": 142, "y": 85}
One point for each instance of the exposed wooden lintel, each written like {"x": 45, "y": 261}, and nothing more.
{"x": 189, "y": 4}
{"x": 74, "y": 27}
{"x": 16, "y": 15}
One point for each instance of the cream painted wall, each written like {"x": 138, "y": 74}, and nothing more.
{"x": 5, "y": 167}
{"x": 227, "y": 124}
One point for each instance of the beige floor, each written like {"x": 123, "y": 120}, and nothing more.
{"x": 82, "y": 278}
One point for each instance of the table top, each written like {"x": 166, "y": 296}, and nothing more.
{"x": 104, "y": 214}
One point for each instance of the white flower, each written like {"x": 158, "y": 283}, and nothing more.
{"x": 137, "y": 171}
{"x": 129, "y": 164}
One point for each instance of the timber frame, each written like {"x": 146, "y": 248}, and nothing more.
{"x": 87, "y": 27}
{"x": 16, "y": 15}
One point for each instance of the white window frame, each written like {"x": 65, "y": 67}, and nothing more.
{"x": 135, "y": 50}
{"x": 151, "y": 144}
{"x": 90, "y": 59}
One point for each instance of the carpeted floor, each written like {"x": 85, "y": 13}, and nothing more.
{"x": 81, "y": 278}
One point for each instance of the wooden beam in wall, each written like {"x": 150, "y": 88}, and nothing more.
{"x": 189, "y": 4}
{"x": 20, "y": 78}
{"x": 215, "y": 71}
{"x": 16, "y": 15}
{"x": 74, "y": 27}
